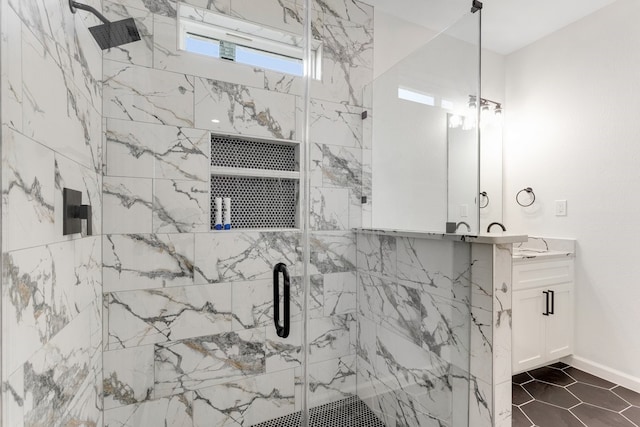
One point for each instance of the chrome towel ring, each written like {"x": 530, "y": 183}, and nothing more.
{"x": 529, "y": 191}
{"x": 486, "y": 197}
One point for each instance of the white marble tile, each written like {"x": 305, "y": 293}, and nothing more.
{"x": 53, "y": 377}
{"x": 316, "y": 301}
{"x": 329, "y": 209}
{"x": 283, "y": 353}
{"x": 242, "y": 256}
{"x": 342, "y": 168}
{"x": 355, "y": 208}
{"x": 410, "y": 413}
{"x": 482, "y": 276}
{"x": 148, "y": 150}
{"x": 11, "y": 77}
{"x": 332, "y": 252}
{"x": 46, "y": 287}
{"x": 245, "y": 401}
{"x": 180, "y": 206}
{"x": 146, "y": 261}
{"x": 243, "y": 110}
{"x": 480, "y": 403}
{"x": 335, "y": 123}
{"x": 127, "y": 376}
{"x": 460, "y": 399}
{"x": 376, "y": 395}
{"x": 377, "y": 254}
{"x": 481, "y": 363}
{"x": 340, "y": 293}
{"x": 85, "y": 406}
{"x": 445, "y": 329}
{"x": 127, "y": 205}
{"x": 396, "y": 308}
{"x": 252, "y": 304}
{"x": 350, "y": 43}
{"x": 28, "y": 192}
{"x": 427, "y": 264}
{"x": 331, "y": 380}
{"x": 330, "y": 337}
{"x": 159, "y": 7}
{"x": 350, "y": 10}
{"x": 366, "y": 342}
{"x": 502, "y": 404}
{"x": 174, "y": 411}
{"x": 56, "y": 112}
{"x": 13, "y": 398}
{"x": 276, "y": 81}
{"x": 502, "y": 313}
{"x": 284, "y": 15}
{"x": 404, "y": 365}
{"x": 139, "y": 52}
{"x": 315, "y": 169}
{"x": 162, "y": 315}
{"x": 147, "y": 95}
{"x": 66, "y": 38}
{"x": 202, "y": 362}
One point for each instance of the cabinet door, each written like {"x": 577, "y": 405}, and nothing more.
{"x": 529, "y": 323}
{"x": 560, "y": 323}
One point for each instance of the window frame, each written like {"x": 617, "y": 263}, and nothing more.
{"x": 214, "y": 27}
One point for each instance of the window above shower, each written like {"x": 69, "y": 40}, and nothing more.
{"x": 204, "y": 32}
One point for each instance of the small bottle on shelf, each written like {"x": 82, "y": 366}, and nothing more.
{"x": 218, "y": 212}
{"x": 227, "y": 213}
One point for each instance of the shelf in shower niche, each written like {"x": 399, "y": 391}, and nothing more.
{"x": 258, "y": 230}
{"x": 254, "y": 173}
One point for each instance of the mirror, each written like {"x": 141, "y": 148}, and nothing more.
{"x": 462, "y": 157}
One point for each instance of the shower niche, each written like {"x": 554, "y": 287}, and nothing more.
{"x": 261, "y": 177}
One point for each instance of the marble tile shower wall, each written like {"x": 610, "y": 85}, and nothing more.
{"x": 51, "y": 103}
{"x": 188, "y": 335}
{"x": 413, "y": 336}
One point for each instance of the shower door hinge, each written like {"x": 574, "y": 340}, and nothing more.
{"x": 364, "y": 115}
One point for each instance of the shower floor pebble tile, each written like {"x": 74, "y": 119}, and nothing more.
{"x": 349, "y": 412}
{"x": 560, "y": 395}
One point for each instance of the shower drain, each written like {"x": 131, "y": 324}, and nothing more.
{"x": 349, "y": 412}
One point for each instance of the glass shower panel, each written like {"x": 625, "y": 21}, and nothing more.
{"x": 420, "y": 164}
{"x": 422, "y": 144}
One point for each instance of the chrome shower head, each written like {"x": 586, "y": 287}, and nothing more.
{"x": 109, "y": 34}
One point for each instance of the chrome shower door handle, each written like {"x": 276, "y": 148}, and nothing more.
{"x": 282, "y": 327}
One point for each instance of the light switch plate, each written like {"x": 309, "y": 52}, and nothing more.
{"x": 561, "y": 208}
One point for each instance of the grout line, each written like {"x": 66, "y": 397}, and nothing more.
{"x": 627, "y": 418}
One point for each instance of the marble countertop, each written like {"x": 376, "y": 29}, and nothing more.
{"x": 491, "y": 239}
{"x": 528, "y": 254}
{"x": 544, "y": 248}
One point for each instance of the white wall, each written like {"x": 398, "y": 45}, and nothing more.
{"x": 573, "y": 132}
{"x": 394, "y": 39}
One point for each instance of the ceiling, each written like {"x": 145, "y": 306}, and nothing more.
{"x": 507, "y": 25}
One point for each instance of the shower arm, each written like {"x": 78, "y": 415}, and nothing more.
{"x": 75, "y": 5}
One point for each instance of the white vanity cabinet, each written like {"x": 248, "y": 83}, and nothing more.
{"x": 543, "y": 304}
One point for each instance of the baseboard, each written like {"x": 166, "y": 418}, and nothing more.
{"x": 604, "y": 372}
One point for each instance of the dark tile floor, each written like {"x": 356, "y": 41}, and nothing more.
{"x": 559, "y": 395}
